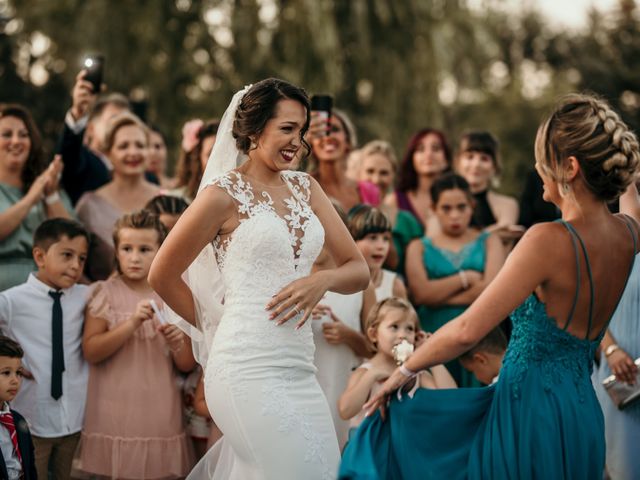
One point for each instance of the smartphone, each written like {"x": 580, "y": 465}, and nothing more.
{"x": 94, "y": 65}
{"x": 323, "y": 105}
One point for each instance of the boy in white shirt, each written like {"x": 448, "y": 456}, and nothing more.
{"x": 485, "y": 359}
{"x": 46, "y": 315}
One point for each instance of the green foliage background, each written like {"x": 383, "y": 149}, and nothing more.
{"x": 394, "y": 65}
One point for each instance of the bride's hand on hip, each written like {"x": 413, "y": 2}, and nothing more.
{"x": 300, "y": 296}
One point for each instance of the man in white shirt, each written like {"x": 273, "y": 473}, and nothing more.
{"x": 46, "y": 316}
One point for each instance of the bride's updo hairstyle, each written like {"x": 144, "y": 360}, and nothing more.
{"x": 587, "y": 128}
{"x": 258, "y": 106}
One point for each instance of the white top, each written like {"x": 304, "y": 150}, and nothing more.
{"x": 335, "y": 363}
{"x": 25, "y": 316}
{"x": 385, "y": 290}
{"x": 14, "y": 467}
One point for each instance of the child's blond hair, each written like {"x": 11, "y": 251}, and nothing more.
{"x": 140, "y": 220}
{"x": 376, "y": 315}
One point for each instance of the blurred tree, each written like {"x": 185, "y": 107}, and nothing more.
{"x": 394, "y": 66}
{"x": 604, "y": 60}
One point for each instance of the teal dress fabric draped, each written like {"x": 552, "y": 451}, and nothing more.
{"x": 442, "y": 263}
{"x": 541, "y": 420}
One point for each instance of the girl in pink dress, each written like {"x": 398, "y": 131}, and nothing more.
{"x": 133, "y": 425}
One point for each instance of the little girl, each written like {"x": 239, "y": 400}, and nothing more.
{"x": 168, "y": 208}
{"x": 133, "y": 424}
{"x": 389, "y": 323}
{"x": 451, "y": 266}
{"x": 379, "y": 165}
{"x": 199, "y": 427}
{"x": 339, "y": 338}
{"x": 371, "y": 230}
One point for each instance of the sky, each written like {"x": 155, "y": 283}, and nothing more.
{"x": 571, "y": 13}
{"x": 563, "y": 14}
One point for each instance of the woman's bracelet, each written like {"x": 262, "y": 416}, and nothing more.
{"x": 51, "y": 199}
{"x": 406, "y": 372}
{"x": 464, "y": 279}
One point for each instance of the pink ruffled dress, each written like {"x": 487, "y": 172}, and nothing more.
{"x": 133, "y": 426}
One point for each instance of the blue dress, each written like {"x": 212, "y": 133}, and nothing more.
{"x": 541, "y": 420}
{"x": 442, "y": 263}
{"x": 622, "y": 427}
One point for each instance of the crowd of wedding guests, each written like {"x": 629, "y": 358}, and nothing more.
{"x": 110, "y": 389}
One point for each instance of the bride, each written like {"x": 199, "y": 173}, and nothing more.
{"x": 256, "y": 227}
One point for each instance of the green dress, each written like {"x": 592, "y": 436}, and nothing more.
{"x": 16, "y": 260}
{"x": 406, "y": 229}
{"x": 442, "y": 263}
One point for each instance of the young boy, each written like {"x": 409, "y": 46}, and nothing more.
{"x": 16, "y": 447}
{"x": 46, "y": 315}
{"x": 485, "y": 359}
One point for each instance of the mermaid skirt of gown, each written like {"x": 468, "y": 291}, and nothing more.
{"x": 275, "y": 418}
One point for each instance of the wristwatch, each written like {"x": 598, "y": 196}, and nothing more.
{"x": 610, "y": 349}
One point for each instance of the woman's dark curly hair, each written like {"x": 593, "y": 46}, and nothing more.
{"x": 35, "y": 163}
{"x": 258, "y": 106}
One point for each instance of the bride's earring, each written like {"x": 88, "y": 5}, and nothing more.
{"x": 565, "y": 188}
{"x": 253, "y": 145}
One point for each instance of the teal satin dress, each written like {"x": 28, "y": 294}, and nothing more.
{"x": 541, "y": 420}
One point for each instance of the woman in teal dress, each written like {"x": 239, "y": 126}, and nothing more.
{"x": 450, "y": 267}
{"x": 564, "y": 280}
{"x": 28, "y": 193}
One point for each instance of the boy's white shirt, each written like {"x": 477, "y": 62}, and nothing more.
{"x": 25, "y": 316}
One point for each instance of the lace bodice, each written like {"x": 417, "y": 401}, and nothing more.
{"x": 277, "y": 240}
{"x": 536, "y": 340}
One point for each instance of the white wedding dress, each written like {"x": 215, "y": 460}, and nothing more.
{"x": 260, "y": 382}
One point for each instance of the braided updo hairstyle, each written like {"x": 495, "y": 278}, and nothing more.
{"x": 587, "y": 128}
{"x": 258, "y": 106}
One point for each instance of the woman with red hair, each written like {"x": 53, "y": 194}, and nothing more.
{"x": 426, "y": 157}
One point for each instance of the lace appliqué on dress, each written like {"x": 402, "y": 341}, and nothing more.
{"x": 278, "y": 402}
{"x": 242, "y": 192}
{"x": 536, "y": 339}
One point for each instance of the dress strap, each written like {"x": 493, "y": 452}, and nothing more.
{"x": 633, "y": 232}
{"x": 576, "y": 235}
{"x": 577, "y": 294}
{"x": 239, "y": 189}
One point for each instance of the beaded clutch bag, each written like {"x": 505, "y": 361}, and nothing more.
{"x": 623, "y": 394}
